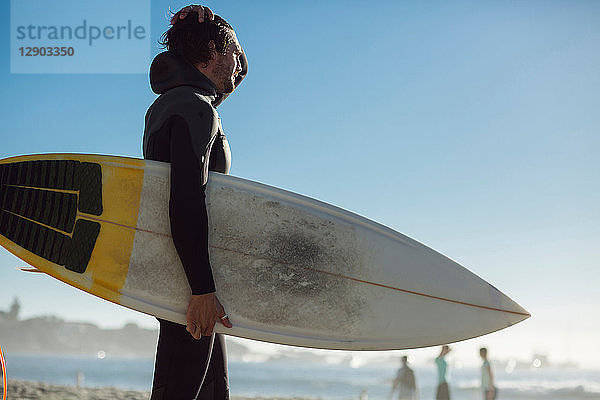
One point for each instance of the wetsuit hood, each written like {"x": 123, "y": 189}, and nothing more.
{"x": 169, "y": 71}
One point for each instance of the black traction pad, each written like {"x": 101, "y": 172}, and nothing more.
{"x": 36, "y": 196}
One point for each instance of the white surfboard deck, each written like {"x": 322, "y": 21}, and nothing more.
{"x": 290, "y": 269}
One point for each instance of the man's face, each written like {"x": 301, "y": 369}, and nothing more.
{"x": 227, "y": 67}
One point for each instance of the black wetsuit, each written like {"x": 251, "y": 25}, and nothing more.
{"x": 183, "y": 128}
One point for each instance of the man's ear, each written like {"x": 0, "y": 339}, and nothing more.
{"x": 212, "y": 50}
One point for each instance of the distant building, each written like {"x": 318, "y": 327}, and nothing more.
{"x": 13, "y": 312}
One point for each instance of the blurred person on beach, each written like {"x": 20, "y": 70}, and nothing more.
{"x": 203, "y": 64}
{"x": 442, "y": 392}
{"x": 487, "y": 377}
{"x": 364, "y": 395}
{"x": 405, "y": 382}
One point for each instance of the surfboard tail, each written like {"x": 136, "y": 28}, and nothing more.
{"x": 30, "y": 269}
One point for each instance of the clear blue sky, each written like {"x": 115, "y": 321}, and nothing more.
{"x": 470, "y": 126}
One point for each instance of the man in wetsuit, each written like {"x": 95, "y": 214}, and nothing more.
{"x": 204, "y": 62}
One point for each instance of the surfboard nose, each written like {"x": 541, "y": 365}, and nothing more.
{"x": 524, "y": 313}
{"x": 517, "y": 312}
{"x": 512, "y": 312}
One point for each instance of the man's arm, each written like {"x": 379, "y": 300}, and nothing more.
{"x": 187, "y": 209}
{"x": 189, "y": 219}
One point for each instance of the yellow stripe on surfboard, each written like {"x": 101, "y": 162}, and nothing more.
{"x": 106, "y": 272}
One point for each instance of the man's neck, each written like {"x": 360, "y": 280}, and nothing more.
{"x": 208, "y": 73}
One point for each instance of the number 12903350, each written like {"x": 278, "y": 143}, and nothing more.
{"x": 50, "y": 51}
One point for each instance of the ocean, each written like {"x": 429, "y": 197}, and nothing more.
{"x": 310, "y": 379}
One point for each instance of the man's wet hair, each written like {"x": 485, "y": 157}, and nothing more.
{"x": 189, "y": 38}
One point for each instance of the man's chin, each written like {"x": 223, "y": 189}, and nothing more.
{"x": 227, "y": 90}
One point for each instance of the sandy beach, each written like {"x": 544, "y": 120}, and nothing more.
{"x": 26, "y": 390}
{"x": 21, "y": 390}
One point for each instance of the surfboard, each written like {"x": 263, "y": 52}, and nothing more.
{"x": 288, "y": 269}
